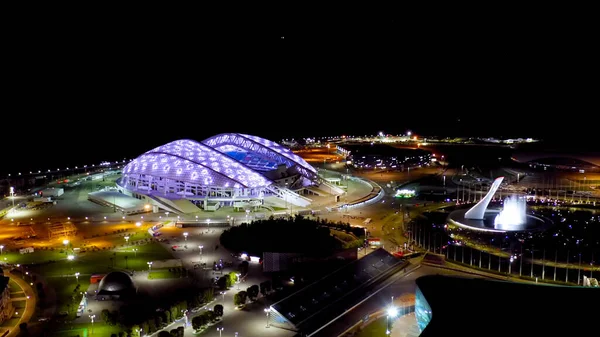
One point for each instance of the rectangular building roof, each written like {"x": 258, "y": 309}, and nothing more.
{"x": 317, "y": 297}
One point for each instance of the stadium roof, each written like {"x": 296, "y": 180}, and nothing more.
{"x": 482, "y": 307}
{"x": 264, "y": 153}
{"x": 315, "y": 305}
{"x": 188, "y": 160}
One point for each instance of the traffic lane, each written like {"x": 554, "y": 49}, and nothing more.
{"x": 399, "y": 286}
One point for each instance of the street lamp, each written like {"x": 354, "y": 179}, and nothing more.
{"x": 126, "y": 239}
{"x": 185, "y": 235}
{"x": 223, "y": 293}
{"x": 92, "y": 318}
{"x": 391, "y": 312}
{"x": 77, "y": 277}
{"x": 12, "y": 195}
{"x": 149, "y": 265}
{"x": 238, "y": 280}
{"x": 70, "y": 257}
{"x": 138, "y": 224}
{"x": 267, "y": 310}
{"x": 135, "y": 252}
{"x": 1, "y": 248}
{"x": 220, "y": 330}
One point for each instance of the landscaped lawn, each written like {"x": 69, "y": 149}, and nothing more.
{"x": 81, "y": 330}
{"x": 64, "y": 287}
{"x": 105, "y": 261}
{"x": 164, "y": 273}
{"x": 10, "y": 322}
{"x": 376, "y": 328}
{"x": 35, "y": 257}
{"x": 19, "y": 304}
{"x": 13, "y": 286}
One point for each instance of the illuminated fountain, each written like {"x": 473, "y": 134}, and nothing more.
{"x": 512, "y": 217}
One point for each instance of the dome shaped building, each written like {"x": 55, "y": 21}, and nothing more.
{"x": 115, "y": 284}
{"x": 224, "y": 169}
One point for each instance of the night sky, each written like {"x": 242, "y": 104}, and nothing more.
{"x": 85, "y": 93}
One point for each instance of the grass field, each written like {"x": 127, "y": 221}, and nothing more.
{"x": 13, "y": 286}
{"x": 10, "y": 323}
{"x": 106, "y": 261}
{"x": 19, "y": 304}
{"x": 376, "y": 328}
{"x": 81, "y": 330}
{"x": 164, "y": 274}
{"x": 37, "y": 256}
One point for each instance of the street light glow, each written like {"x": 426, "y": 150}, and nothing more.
{"x": 392, "y": 311}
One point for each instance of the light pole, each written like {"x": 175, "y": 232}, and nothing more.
{"x": 267, "y": 310}
{"x": 1, "y": 248}
{"x": 238, "y": 280}
{"x": 77, "y": 277}
{"x": 92, "y": 318}
{"x": 135, "y": 252}
{"x": 66, "y": 243}
{"x": 220, "y": 330}
{"x": 149, "y": 265}
{"x": 185, "y": 235}
{"x": 223, "y": 293}
{"x": 391, "y": 312}
{"x": 126, "y": 239}
{"x": 12, "y": 195}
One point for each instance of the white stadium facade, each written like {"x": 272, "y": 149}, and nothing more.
{"x": 229, "y": 169}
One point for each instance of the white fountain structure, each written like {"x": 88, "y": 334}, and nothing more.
{"x": 513, "y": 215}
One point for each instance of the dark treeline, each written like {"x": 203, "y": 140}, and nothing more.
{"x": 290, "y": 235}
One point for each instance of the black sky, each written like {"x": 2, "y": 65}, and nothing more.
{"x": 78, "y": 91}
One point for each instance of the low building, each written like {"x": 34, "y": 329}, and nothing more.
{"x": 313, "y": 307}
{"x": 6, "y": 308}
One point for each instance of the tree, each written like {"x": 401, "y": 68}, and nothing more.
{"x": 218, "y": 310}
{"x": 252, "y": 292}
{"x": 180, "y": 331}
{"x": 113, "y": 335}
{"x": 240, "y": 298}
{"x": 168, "y": 317}
{"x": 197, "y": 323}
{"x": 265, "y": 287}
{"x": 105, "y": 315}
{"x": 158, "y": 320}
{"x": 210, "y": 316}
{"x": 223, "y": 282}
{"x": 135, "y": 330}
{"x": 173, "y": 332}
{"x": 243, "y": 268}
{"x": 174, "y": 312}
{"x": 164, "y": 333}
{"x": 151, "y": 326}
{"x": 233, "y": 277}
{"x": 23, "y": 329}
{"x": 144, "y": 327}
{"x": 208, "y": 295}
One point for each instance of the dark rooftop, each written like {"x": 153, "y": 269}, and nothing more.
{"x": 320, "y": 295}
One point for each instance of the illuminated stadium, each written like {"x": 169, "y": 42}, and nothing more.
{"x": 229, "y": 169}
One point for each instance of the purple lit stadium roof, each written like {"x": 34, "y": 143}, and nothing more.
{"x": 189, "y": 161}
{"x": 261, "y": 147}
